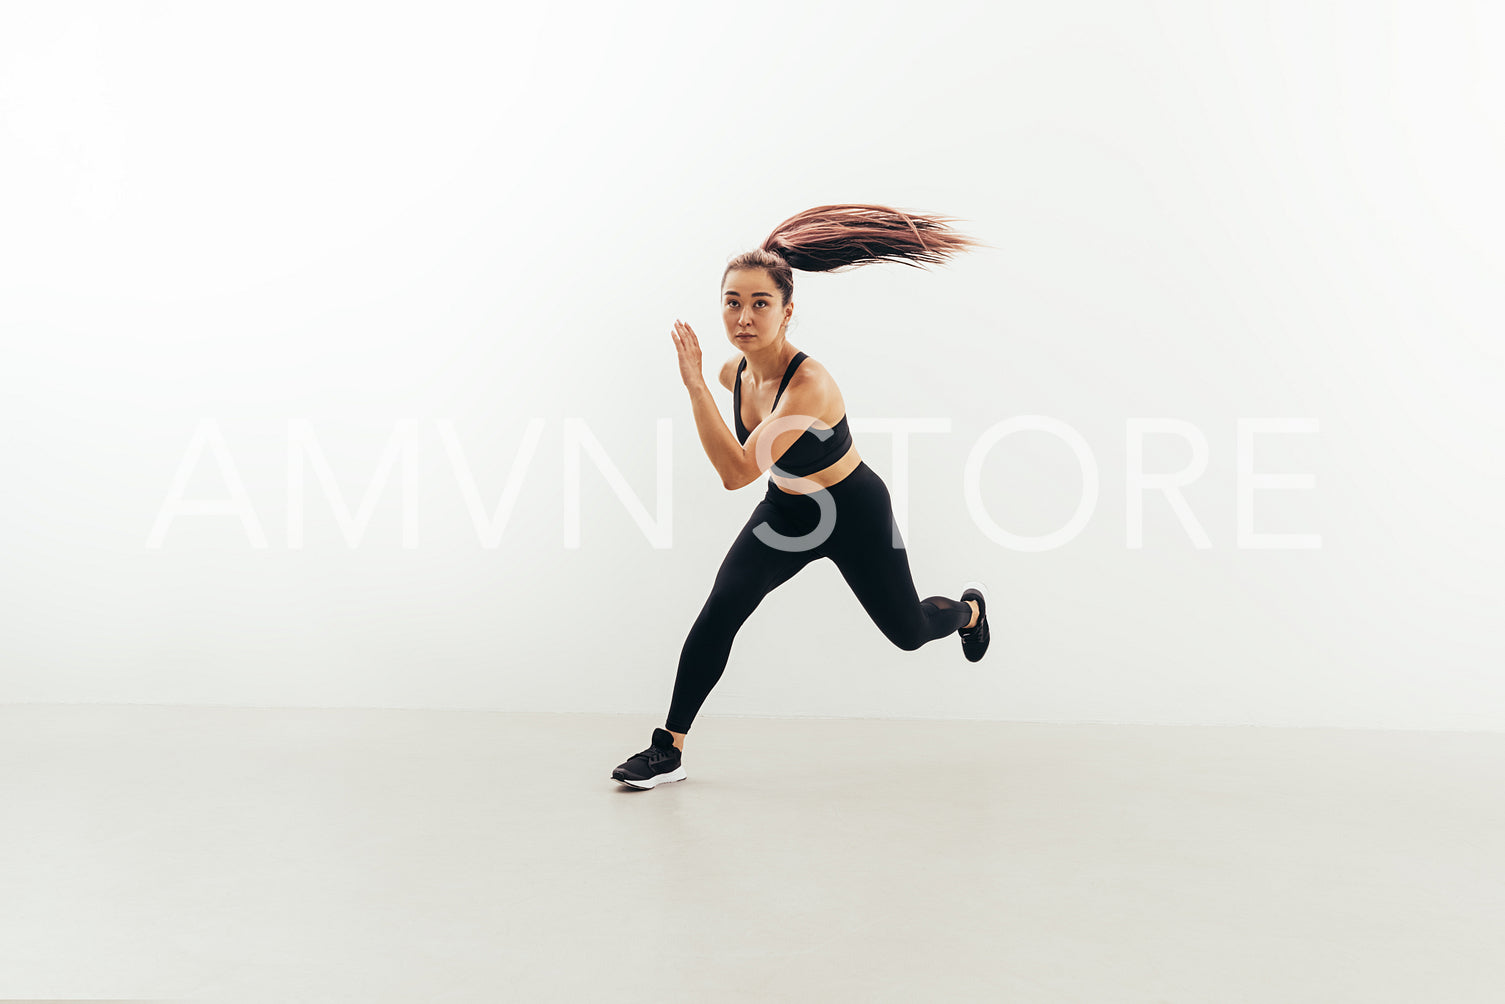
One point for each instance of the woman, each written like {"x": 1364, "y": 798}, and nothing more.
{"x": 822, "y": 501}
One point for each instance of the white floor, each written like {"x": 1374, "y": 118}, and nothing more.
{"x": 214, "y": 854}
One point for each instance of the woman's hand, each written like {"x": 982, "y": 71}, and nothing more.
{"x": 688, "y": 347}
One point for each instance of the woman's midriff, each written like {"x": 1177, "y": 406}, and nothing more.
{"x": 825, "y": 477}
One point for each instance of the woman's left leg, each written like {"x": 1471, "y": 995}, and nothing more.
{"x": 862, "y": 546}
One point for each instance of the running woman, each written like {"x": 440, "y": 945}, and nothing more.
{"x": 822, "y": 500}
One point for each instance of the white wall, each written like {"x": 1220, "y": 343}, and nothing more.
{"x": 239, "y": 227}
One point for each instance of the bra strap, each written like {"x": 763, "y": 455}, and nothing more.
{"x": 794, "y": 364}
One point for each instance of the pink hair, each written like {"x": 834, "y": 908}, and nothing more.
{"x": 839, "y": 237}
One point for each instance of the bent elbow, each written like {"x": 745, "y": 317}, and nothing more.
{"x": 742, "y": 481}
{"x": 738, "y": 477}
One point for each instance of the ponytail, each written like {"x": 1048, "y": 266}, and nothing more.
{"x": 839, "y": 237}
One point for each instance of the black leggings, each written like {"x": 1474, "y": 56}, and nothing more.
{"x": 864, "y": 542}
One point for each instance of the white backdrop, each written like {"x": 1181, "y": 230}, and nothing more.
{"x": 307, "y": 308}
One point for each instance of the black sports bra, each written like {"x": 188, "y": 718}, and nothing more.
{"x": 810, "y": 453}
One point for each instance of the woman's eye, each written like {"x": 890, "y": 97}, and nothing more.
{"x": 762, "y": 303}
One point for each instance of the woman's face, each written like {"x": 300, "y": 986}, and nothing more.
{"x": 752, "y": 308}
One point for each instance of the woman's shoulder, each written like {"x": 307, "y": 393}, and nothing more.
{"x": 729, "y": 370}
{"x": 816, "y": 382}
{"x": 812, "y": 370}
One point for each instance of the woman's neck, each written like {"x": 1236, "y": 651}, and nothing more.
{"x": 769, "y": 364}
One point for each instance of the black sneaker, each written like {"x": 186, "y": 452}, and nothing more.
{"x": 975, "y": 638}
{"x": 655, "y": 765}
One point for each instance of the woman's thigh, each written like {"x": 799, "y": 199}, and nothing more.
{"x": 752, "y": 568}
{"x": 868, "y": 551}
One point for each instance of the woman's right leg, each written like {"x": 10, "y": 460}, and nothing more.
{"x": 749, "y": 572}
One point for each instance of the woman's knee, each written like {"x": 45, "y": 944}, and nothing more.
{"x": 908, "y": 637}
{"x": 727, "y": 607}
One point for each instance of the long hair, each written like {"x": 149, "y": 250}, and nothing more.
{"x": 839, "y": 237}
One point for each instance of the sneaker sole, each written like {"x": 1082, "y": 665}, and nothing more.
{"x": 677, "y": 774}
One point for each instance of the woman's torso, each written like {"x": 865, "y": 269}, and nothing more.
{"x": 758, "y": 402}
